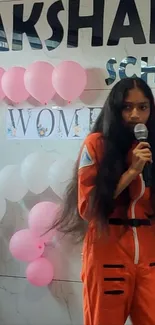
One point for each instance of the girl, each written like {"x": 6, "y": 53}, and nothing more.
{"x": 107, "y": 199}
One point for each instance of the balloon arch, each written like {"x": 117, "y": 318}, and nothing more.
{"x": 38, "y": 171}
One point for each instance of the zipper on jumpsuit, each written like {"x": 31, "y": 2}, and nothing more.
{"x": 133, "y": 216}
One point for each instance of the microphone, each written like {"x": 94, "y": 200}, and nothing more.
{"x": 141, "y": 134}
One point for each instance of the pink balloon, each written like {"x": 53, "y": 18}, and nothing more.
{"x": 2, "y": 95}
{"x": 69, "y": 80}
{"x": 41, "y": 217}
{"x": 24, "y": 246}
{"x": 40, "y": 272}
{"x": 13, "y": 85}
{"x": 37, "y": 80}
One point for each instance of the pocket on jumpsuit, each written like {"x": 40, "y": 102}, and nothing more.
{"x": 114, "y": 283}
{"x": 115, "y": 293}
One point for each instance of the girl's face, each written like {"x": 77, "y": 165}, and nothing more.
{"x": 136, "y": 108}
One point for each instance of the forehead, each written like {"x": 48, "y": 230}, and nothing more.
{"x": 136, "y": 96}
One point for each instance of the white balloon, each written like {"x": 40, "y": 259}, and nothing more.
{"x": 2, "y": 208}
{"x": 12, "y": 186}
{"x": 34, "y": 171}
{"x": 60, "y": 175}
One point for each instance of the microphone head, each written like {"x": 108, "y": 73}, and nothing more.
{"x": 141, "y": 132}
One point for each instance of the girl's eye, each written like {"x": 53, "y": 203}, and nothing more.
{"x": 143, "y": 107}
{"x": 127, "y": 107}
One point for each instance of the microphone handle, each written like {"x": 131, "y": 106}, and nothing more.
{"x": 147, "y": 175}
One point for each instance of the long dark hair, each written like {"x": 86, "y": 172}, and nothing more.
{"x": 118, "y": 139}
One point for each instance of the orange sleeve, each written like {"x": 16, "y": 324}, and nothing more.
{"x": 87, "y": 171}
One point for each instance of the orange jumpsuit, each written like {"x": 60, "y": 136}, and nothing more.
{"x": 118, "y": 273}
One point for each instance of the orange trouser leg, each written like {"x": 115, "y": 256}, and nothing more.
{"x": 110, "y": 302}
{"x": 108, "y": 281}
{"x": 143, "y": 305}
